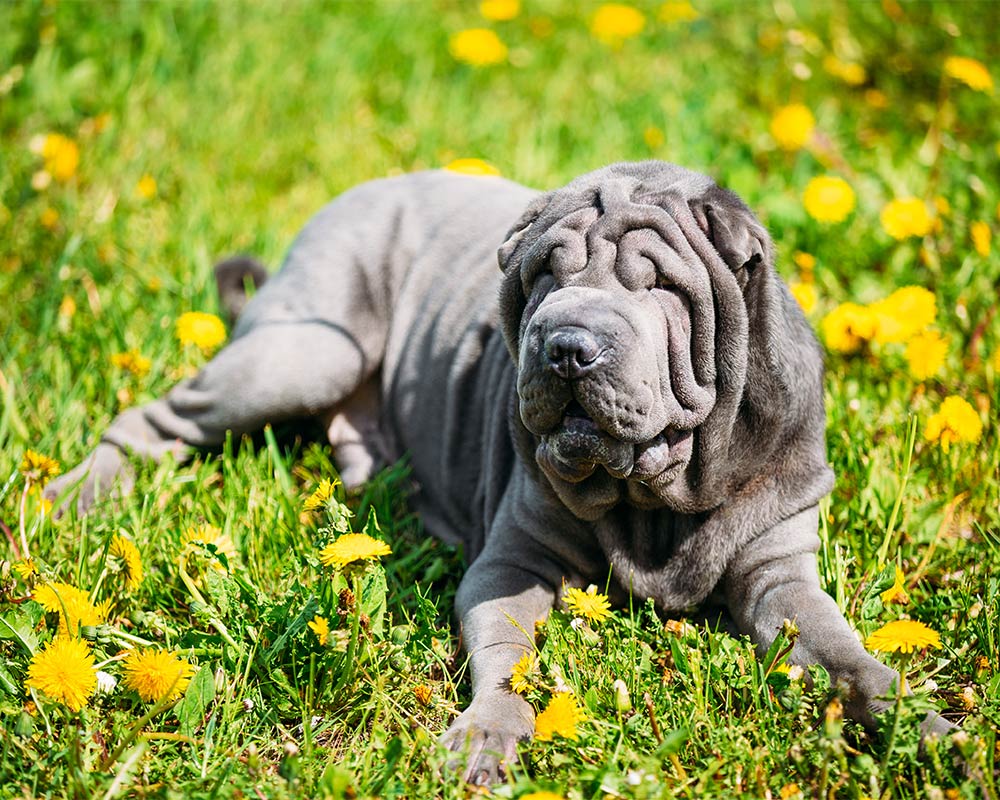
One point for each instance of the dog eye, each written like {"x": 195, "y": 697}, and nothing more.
{"x": 663, "y": 282}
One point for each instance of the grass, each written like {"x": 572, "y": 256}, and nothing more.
{"x": 249, "y": 117}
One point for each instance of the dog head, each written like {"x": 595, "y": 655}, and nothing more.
{"x": 660, "y": 361}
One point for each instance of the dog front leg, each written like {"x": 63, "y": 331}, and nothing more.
{"x": 775, "y": 578}
{"x": 498, "y": 603}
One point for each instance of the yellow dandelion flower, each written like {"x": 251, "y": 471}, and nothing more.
{"x": 39, "y": 468}
{"x": 204, "y": 331}
{"x": 25, "y": 568}
{"x": 897, "y": 592}
{"x": 847, "y": 327}
{"x": 49, "y": 219}
{"x": 972, "y": 73}
{"x": 981, "y": 237}
{"x": 955, "y": 421}
{"x": 523, "y": 673}
{"x": 423, "y": 694}
{"x": 653, "y": 137}
{"x": 472, "y": 166}
{"x": 478, "y": 47}
{"x": 996, "y": 360}
{"x": 612, "y": 23}
{"x": 904, "y": 217}
{"x": 804, "y": 261}
{"x": 849, "y": 72}
{"x": 792, "y": 126}
{"x": 560, "y": 718}
{"x": 903, "y": 636}
{"x": 322, "y": 496}
{"x": 542, "y": 796}
{"x": 125, "y": 550}
{"x": 789, "y": 790}
{"x": 146, "y": 187}
{"x": 351, "y": 547}
{"x": 131, "y": 361}
{"x": 828, "y": 198}
{"x": 61, "y": 155}
{"x": 925, "y": 354}
{"x": 64, "y": 672}
{"x": 206, "y": 535}
{"x": 675, "y": 11}
{"x": 321, "y": 627}
{"x": 876, "y": 98}
{"x": 155, "y": 674}
{"x": 73, "y": 606}
{"x": 590, "y": 604}
{"x": 805, "y": 295}
{"x": 67, "y": 309}
{"x": 500, "y": 10}
{"x": 904, "y": 313}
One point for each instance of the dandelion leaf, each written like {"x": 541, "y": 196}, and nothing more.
{"x": 373, "y": 593}
{"x": 200, "y": 693}
{"x": 871, "y": 605}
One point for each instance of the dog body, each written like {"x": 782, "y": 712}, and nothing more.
{"x": 644, "y": 401}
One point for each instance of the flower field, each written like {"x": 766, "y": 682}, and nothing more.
{"x": 240, "y": 626}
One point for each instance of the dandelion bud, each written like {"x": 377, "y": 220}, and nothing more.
{"x": 198, "y": 608}
{"x": 399, "y": 634}
{"x": 89, "y": 632}
{"x": 219, "y": 679}
{"x": 253, "y": 758}
{"x": 623, "y": 702}
{"x": 968, "y": 698}
{"x": 24, "y": 726}
{"x": 789, "y": 630}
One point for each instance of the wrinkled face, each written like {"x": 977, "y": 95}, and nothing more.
{"x": 617, "y": 342}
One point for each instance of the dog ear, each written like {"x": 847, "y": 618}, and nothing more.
{"x": 735, "y": 232}
{"x": 519, "y": 229}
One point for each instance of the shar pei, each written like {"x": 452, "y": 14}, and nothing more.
{"x": 633, "y": 393}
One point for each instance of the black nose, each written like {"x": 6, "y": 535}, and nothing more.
{"x": 571, "y": 352}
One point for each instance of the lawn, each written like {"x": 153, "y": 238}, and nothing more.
{"x": 143, "y": 141}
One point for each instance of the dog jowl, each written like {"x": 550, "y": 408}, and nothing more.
{"x": 644, "y": 401}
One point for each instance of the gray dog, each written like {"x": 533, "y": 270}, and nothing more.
{"x": 645, "y": 399}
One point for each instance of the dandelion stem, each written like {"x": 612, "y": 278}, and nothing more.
{"x": 347, "y": 674}
{"x": 162, "y": 705}
{"x": 911, "y": 438}
{"x": 897, "y": 713}
{"x": 20, "y": 521}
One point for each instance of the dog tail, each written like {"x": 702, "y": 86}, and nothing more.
{"x": 236, "y": 278}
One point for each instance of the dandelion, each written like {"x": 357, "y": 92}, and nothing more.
{"x": 125, "y": 550}
{"x": 828, "y": 198}
{"x": 972, "y": 73}
{"x": 847, "y": 327}
{"x": 146, "y": 187}
{"x": 902, "y": 314}
{"x": 903, "y": 636}
{"x": 612, "y": 23}
{"x": 204, "y": 331}
{"x": 61, "y": 155}
{"x": 322, "y": 496}
{"x": 523, "y": 673}
{"x": 792, "y": 126}
{"x": 321, "y": 627}
{"x": 25, "y": 568}
{"x": 850, "y": 73}
{"x": 472, "y": 166}
{"x": 981, "y": 236}
{"x": 804, "y": 261}
{"x": 542, "y": 796}
{"x": 500, "y": 10}
{"x": 49, "y": 219}
{"x": 925, "y": 354}
{"x": 905, "y": 217}
{"x": 653, "y": 137}
{"x": 675, "y": 11}
{"x": 106, "y": 682}
{"x": 131, "y": 361}
{"x": 590, "y": 604}
{"x": 560, "y": 718}
{"x": 64, "y": 672}
{"x": 67, "y": 309}
{"x": 423, "y": 694}
{"x": 804, "y": 294}
{"x": 955, "y": 421}
{"x": 897, "y": 592}
{"x": 39, "y": 468}
{"x": 73, "y": 606}
{"x": 352, "y": 547}
{"x": 209, "y": 536}
{"x": 156, "y": 674}
{"x": 478, "y": 47}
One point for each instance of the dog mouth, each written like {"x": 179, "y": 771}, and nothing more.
{"x": 578, "y": 446}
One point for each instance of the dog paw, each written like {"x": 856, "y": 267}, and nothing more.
{"x": 92, "y": 479}
{"x": 485, "y": 736}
